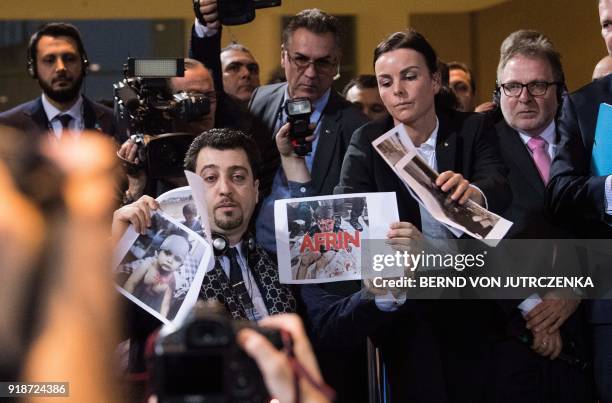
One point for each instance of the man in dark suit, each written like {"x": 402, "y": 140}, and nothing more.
{"x": 58, "y": 61}
{"x": 530, "y": 85}
{"x": 578, "y": 197}
{"x": 310, "y": 56}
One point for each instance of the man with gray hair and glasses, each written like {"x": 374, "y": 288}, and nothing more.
{"x": 530, "y": 87}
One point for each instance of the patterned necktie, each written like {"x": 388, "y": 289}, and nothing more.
{"x": 539, "y": 150}
{"x": 64, "y": 120}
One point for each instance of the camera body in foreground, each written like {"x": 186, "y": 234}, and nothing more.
{"x": 201, "y": 362}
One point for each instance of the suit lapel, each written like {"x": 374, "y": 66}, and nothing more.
{"x": 326, "y": 147}
{"x": 516, "y": 153}
{"x": 448, "y": 151}
{"x": 586, "y": 107}
{"x": 38, "y": 115}
{"x": 216, "y": 285}
{"x": 277, "y": 297}
{"x": 89, "y": 115}
{"x": 271, "y": 115}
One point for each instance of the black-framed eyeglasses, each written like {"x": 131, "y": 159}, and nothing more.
{"x": 534, "y": 88}
{"x": 323, "y": 65}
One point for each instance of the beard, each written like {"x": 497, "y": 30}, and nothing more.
{"x": 65, "y": 94}
{"x": 228, "y": 222}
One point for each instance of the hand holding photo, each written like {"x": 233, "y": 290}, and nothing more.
{"x": 457, "y": 213}
{"x": 162, "y": 269}
{"x": 320, "y": 239}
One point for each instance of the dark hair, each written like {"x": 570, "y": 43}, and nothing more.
{"x": 224, "y": 139}
{"x": 445, "y": 98}
{"x": 409, "y": 39}
{"x": 463, "y": 67}
{"x": 316, "y": 21}
{"x": 361, "y": 81}
{"x": 190, "y": 208}
{"x": 56, "y": 29}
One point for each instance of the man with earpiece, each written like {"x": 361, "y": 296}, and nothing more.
{"x": 245, "y": 278}
{"x": 58, "y": 62}
{"x": 530, "y": 88}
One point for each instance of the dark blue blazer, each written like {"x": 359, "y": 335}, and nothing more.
{"x": 31, "y": 117}
{"x": 574, "y": 196}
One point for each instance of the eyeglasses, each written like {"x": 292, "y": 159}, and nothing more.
{"x": 534, "y": 88}
{"x": 323, "y": 66}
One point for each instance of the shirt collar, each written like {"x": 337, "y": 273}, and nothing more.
{"x": 547, "y": 134}
{"x": 431, "y": 141}
{"x": 433, "y": 137}
{"x": 52, "y": 112}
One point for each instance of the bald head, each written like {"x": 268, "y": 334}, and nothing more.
{"x": 603, "y": 68}
{"x": 198, "y": 80}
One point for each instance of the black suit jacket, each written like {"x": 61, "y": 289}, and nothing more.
{"x": 574, "y": 196}
{"x": 338, "y": 122}
{"x": 466, "y": 143}
{"x": 554, "y": 381}
{"x": 341, "y": 366}
{"x": 528, "y": 208}
{"x": 31, "y": 117}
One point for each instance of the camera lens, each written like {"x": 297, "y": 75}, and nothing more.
{"x": 208, "y": 334}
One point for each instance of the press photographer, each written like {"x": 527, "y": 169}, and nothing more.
{"x": 236, "y": 360}
{"x": 195, "y": 107}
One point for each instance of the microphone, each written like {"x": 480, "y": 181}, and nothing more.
{"x": 337, "y": 76}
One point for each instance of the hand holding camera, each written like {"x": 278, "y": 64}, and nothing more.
{"x": 206, "y": 13}
{"x": 211, "y": 356}
{"x": 298, "y": 116}
{"x": 294, "y": 166}
{"x": 276, "y": 366}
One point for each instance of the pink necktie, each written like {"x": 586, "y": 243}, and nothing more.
{"x": 539, "y": 149}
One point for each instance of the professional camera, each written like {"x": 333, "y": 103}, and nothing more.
{"x": 235, "y": 12}
{"x": 151, "y": 113}
{"x": 201, "y": 362}
{"x": 298, "y": 115}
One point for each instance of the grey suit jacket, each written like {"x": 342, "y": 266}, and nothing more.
{"x": 338, "y": 122}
